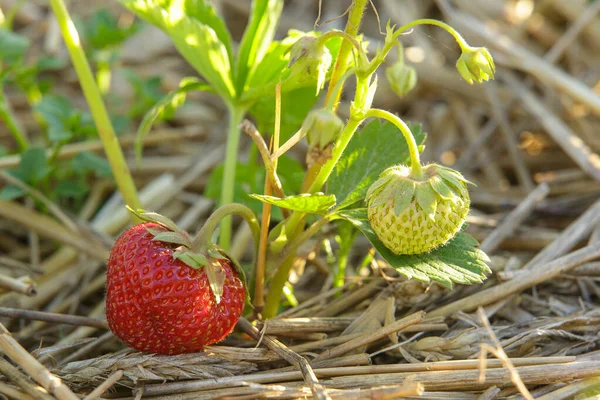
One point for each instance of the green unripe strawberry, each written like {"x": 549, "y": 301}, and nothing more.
{"x": 414, "y": 215}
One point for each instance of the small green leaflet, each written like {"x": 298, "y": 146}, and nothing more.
{"x": 317, "y": 203}
{"x": 12, "y": 45}
{"x": 376, "y": 147}
{"x": 459, "y": 261}
{"x": 169, "y": 102}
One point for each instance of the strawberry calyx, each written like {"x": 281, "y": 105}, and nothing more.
{"x": 201, "y": 253}
{"x": 195, "y": 255}
{"x": 396, "y": 184}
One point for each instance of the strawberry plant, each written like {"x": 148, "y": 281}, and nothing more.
{"x": 364, "y": 174}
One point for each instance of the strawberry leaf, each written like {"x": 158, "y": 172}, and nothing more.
{"x": 317, "y": 203}
{"x": 458, "y": 261}
{"x": 366, "y": 157}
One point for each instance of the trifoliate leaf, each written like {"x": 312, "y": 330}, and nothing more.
{"x": 458, "y": 261}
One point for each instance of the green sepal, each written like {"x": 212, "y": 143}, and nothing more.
{"x": 173, "y": 237}
{"x": 191, "y": 259}
{"x": 405, "y": 190}
{"x": 426, "y": 199}
{"x": 153, "y": 217}
{"x": 216, "y": 278}
{"x": 215, "y": 252}
{"x": 442, "y": 189}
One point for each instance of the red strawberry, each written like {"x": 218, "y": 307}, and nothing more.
{"x": 156, "y": 302}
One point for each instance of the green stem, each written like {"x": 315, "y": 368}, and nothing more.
{"x": 11, "y": 122}
{"x": 427, "y": 21}
{"x": 391, "y": 41}
{"x": 97, "y": 108}
{"x": 351, "y": 39}
{"x": 203, "y": 238}
{"x": 236, "y": 114}
{"x": 281, "y": 276}
{"x": 413, "y": 149}
{"x": 341, "y": 65}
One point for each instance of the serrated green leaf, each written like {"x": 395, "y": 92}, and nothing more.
{"x": 426, "y": 198}
{"x": 374, "y": 148}
{"x": 12, "y": 45}
{"x": 257, "y": 39}
{"x": 317, "y": 203}
{"x": 169, "y": 102}
{"x": 197, "y": 42}
{"x": 86, "y": 161}
{"x": 458, "y": 261}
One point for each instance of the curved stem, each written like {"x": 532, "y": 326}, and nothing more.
{"x": 92, "y": 94}
{"x": 236, "y": 114}
{"x": 413, "y": 149}
{"x": 427, "y": 21}
{"x": 391, "y": 42}
{"x": 204, "y": 236}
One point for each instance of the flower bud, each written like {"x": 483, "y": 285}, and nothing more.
{"x": 309, "y": 59}
{"x": 402, "y": 78}
{"x": 322, "y": 128}
{"x": 476, "y": 63}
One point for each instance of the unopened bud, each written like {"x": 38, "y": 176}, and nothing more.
{"x": 309, "y": 60}
{"x": 476, "y": 64}
{"x": 322, "y": 128}
{"x": 402, "y": 78}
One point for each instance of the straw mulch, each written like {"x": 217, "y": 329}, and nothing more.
{"x": 530, "y": 140}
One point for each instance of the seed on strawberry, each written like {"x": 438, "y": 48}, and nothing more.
{"x": 414, "y": 215}
{"x": 165, "y": 296}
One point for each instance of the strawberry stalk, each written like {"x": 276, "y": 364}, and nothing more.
{"x": 204, "y": 236}
{"x": 413, "y": 149}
